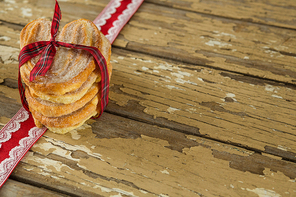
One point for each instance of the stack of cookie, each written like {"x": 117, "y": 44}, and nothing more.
{"x": 69, "y": 93}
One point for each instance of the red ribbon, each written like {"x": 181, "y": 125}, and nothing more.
{"x": 47, "y": 49}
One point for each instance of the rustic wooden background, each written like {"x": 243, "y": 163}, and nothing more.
{"x": 202, "y": 103}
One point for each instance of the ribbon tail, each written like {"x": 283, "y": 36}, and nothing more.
{"x": 31, "y": 50}
{"x": 104, "y": 77}
{"x": 22, "y": 92}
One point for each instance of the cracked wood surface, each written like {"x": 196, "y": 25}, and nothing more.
{"x": 205, "y": 107}
{"x": 223, "y": 43}
{"x": 13, "y": 188}
{"x": 279, "y": 13}
{"x": 193, "y": 100}
{"x": 201, "y": 101}
{"x": 120, "y": 156}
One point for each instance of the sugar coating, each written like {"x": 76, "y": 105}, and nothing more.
{"x": 67, "y": 63}
{"x": 60, "y": 100}
{"x": 69, "y": 97}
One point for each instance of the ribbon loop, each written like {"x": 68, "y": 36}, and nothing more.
{"x": 56, "y": 20}
{"x": 40, "y": 67}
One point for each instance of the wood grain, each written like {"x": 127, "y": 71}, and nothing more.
{"x": 13, "y": 188}
{"x": 279, "y": 13}
{"x": 242, "y": 47}
{"x": 21, "y": 12}
{"x": 221, "y": 43}
{"x": 120, "y": 156}
{"x": 202, "y": 103}
{"x": 222, "y": 105}
{"x": 229, "y": 107}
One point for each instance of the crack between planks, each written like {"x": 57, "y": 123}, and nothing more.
{"x": 85, "y": 171}
{"x": 205, "y": 136}
{"x": 186, "y": 132}
{"x": 206, "y": 66}
{"x": 189, "y": 133}
{"x": 187, "y": 10}
{"x": 20, "y": 26}
{"x": 177, "y": 60}
{"x": 219, "y": 16}
{"x": 43, "y": 186}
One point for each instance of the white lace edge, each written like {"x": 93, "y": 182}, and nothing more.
{"x": 17, "y": 153}
{"x": 123, "y": 19}
{"x": 13, "y": 125}
{"x": 107, "y": 13}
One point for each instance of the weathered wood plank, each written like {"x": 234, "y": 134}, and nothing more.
{"x": 119, "y": 156}
{"x": 272, "y": 12}
{"x": 15, "y": 189}
{"x": 243, "y": 47}
{"x": 21, "y": 12}
{"x": 116, "y": 155}
{"x": 277, "y": 13}
{"x": 242, "y": 110}
{"x": 222, "y": 105}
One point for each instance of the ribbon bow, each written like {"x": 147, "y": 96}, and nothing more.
{"x": 48, "y": 51}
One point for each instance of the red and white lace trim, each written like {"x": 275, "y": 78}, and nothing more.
{"x": 18, "y": 152}
{"x": 20, "y": 133}
{"x": 13, "y": 125}
{"x": 117, "y": 22}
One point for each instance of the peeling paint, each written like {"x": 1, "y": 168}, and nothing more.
{"x": 144, "y": 192}
{"x": 4, "y": 38}
{"x": 252, "y": 106}
{"x": 276, "y": 96}
{"x": 113, "y": 61}
{"x": 123, "y": 192}
{"x": 165, "y": 66}
{"x": 164, "y": 172}
{"x": 173, "y": 87}
{"x": 74, "y": 148}
{"x": 182, "y": 81}
{"x": 172, "y": 109}
{"x": 10, "y": 1}
{"x": 145, "y": 68}
{"x": 9, "y": 54}
{"x": 200, "y": 79}
{"x": 75, "y": 135}
{"x": 51, "y": 148}
{"x": 217, "y": 43}
{"x": 261, "y": 192}
{"x": 224, "y": 34}
{"x": 117, "y": 195}
{"x": 282, "y": 148}
{"x": 231, "y": 95}
{"x": 269, "y": 88}
{"x": 26, "y": 12}
{"x": 45, "y": 163}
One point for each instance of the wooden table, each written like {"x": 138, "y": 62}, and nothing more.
{"x": 202, "y": 103}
